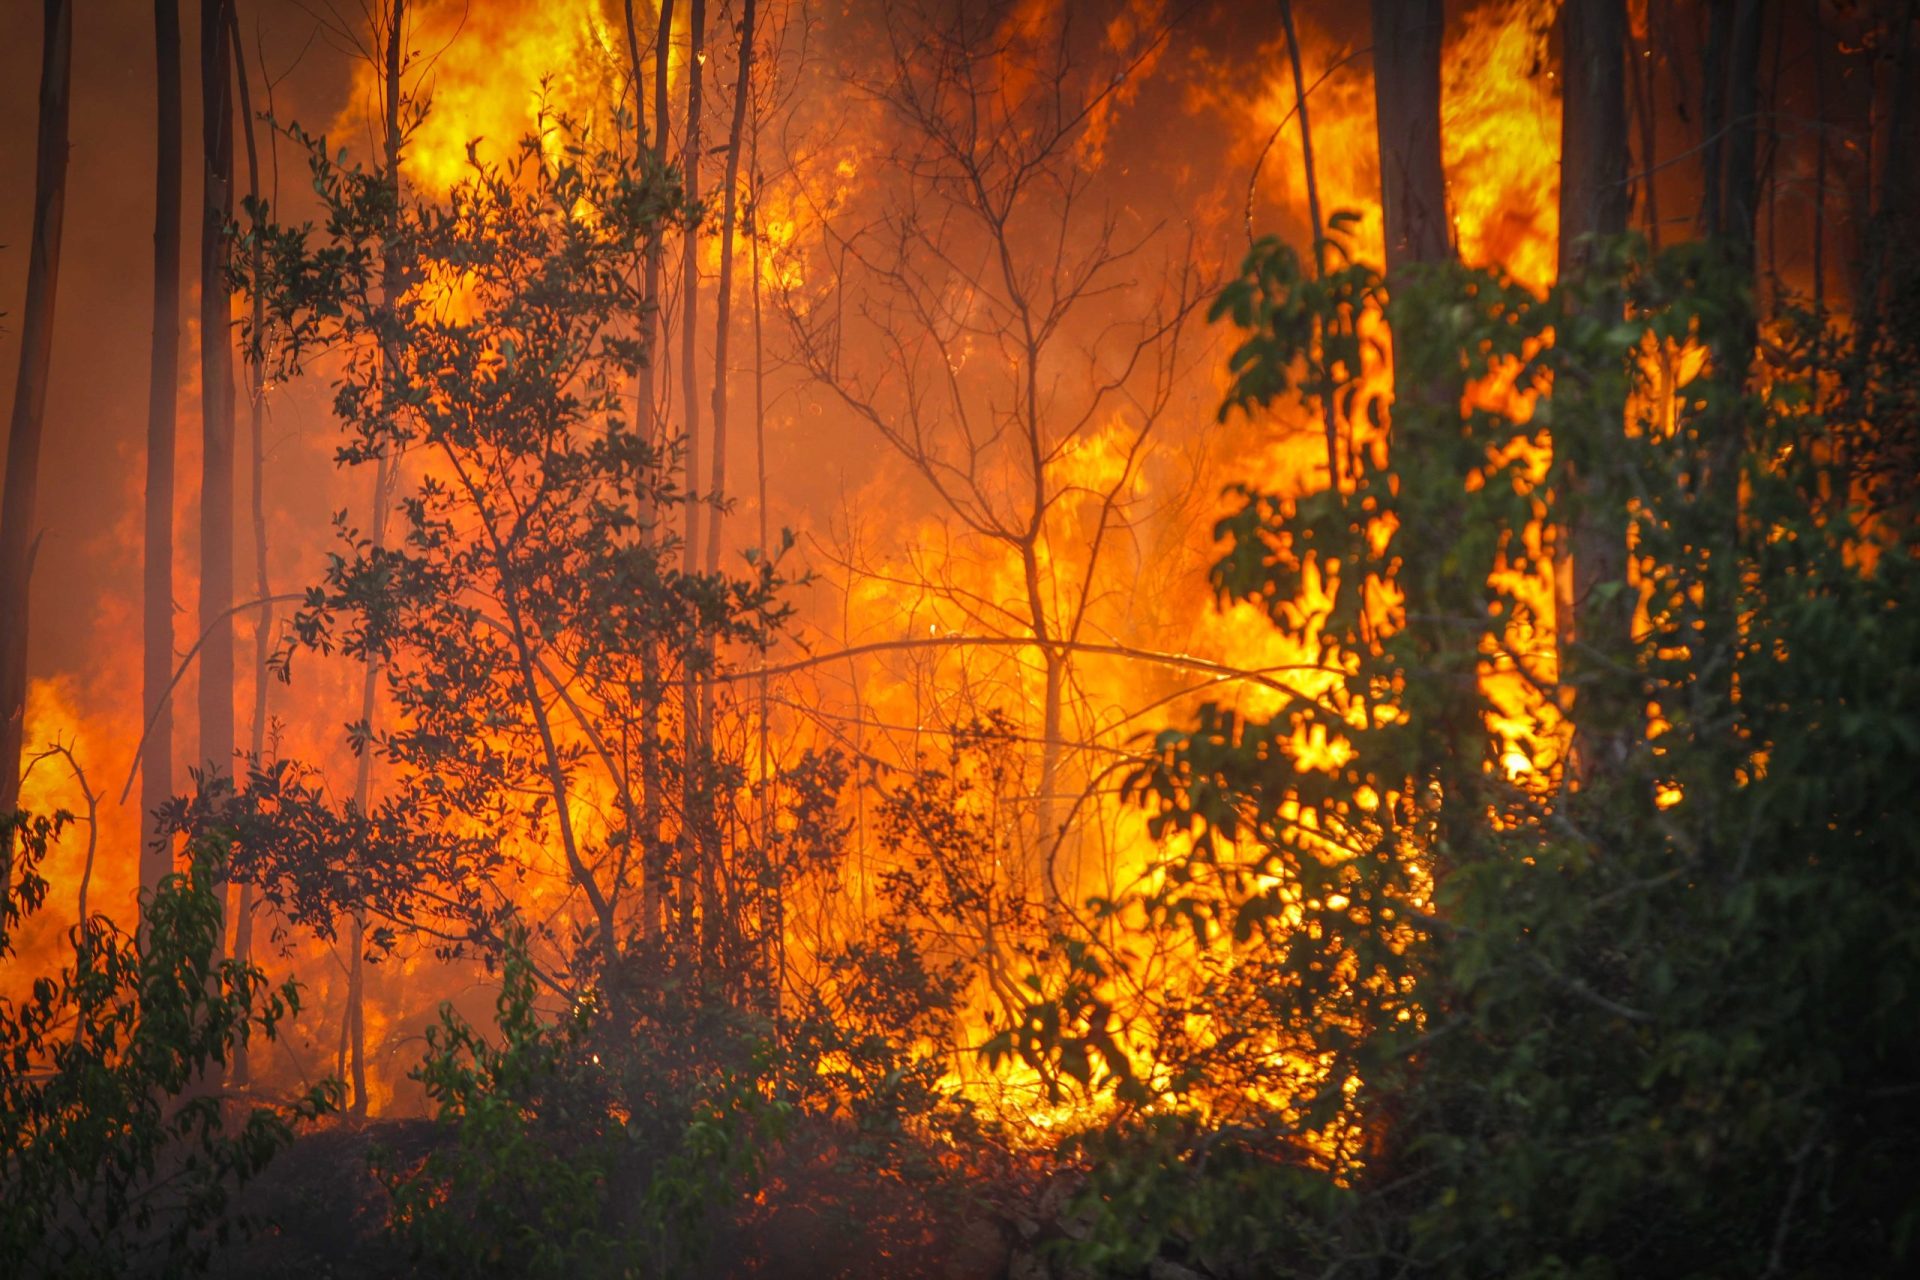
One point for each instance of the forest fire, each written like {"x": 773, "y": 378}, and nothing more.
{"x": 972, "y": 639}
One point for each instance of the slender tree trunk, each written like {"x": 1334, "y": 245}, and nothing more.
{"x": 692, "y": 829}
{"x": 24, "y": 427}
{"x": 256, "y": 413}
{"x": 1638, "y": 66}
{"x": 723, "y": 321}
{"x": 1819, "y": 162}
{"x": 1329, "y": 421}
{"x": 639, "y": 86}
{"x": 776, "y": 880}
{"x": 216, "y": 394}
{"x": 723, "y": 331}
{"x": 1406, "y": 78}
{"x": 690, "y": 281}
{"x": 1730, "y": 115}
{"x": 662, "y": 108}
{"x": 390, "y": 288}
{"x": 1593, "y": 208}
{"x": 1891, "y": 186}
{"x": 156, "y": 763}
{"x": 643, "y": 393}
{"x": 653, "y": 901}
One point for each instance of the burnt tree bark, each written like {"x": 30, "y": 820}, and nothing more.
{"x": 156, "y": 763}
{"x": 24, "y": 428}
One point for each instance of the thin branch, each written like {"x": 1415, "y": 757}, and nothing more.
{"x": 140, "y": 747}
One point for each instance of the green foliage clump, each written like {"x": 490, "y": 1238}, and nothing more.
{"x": 573, "y": 1149}
{"x": 1647, "y": 1009}
{"x": 115, "y": 1153}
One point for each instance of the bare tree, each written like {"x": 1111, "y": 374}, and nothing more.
{"x": 24, "y": 427}
{"x": 989, "y": 319}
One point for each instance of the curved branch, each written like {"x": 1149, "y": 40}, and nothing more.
{"x": 141, "y": 747}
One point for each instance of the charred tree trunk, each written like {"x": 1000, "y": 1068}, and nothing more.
{"x": 156, "y": 763}
{"x": 215, "y": 751}
{"x": 24, "y": 428}
{"x": 1593, "y": 619}
{"x": 1406, "y": 79}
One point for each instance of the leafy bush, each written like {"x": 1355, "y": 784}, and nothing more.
{"x": 115, "y": 1155}
{"x": 575, "y": 1148}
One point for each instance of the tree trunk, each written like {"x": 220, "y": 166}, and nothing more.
{"x": 723, "y": 323}
{"x": 256, "y": 414}
{"x": 1329, "y": 420}
{"x": 650, "y": 300}
{"x": 1593, "y": 207}
{"x": 24, "y": 428}
{"x": 776, "y": 884}
{"x": 1445, "y": 610}
{"x": 653, "y": 890}
{"x": 216, "y": 393}
{"x": 1730, "y": 116}
{"x": 156, "y": 762}
{"x": 1406, "y": 86}
{"x": 691, "y": 828}
{"x": 1890, "y": 185}
{"x": 390, "y": 288}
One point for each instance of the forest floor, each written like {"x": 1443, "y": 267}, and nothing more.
{"x": 319, "y": 1213}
